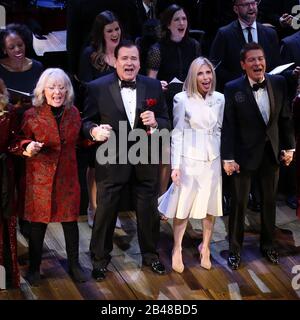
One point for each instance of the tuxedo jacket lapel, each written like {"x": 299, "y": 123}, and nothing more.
{"x": 140, "y": 98}
{"x": 116, "y": 95}
{"x": 239, "y": 32}
{"x": 271, "y": 99}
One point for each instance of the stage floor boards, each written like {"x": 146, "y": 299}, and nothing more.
{"x": 128, "y": 279}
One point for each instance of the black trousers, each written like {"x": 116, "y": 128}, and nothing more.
{"x": 36, "y": 240}
{"x": 267, "y": 178}
{"x": 143, "y": 179}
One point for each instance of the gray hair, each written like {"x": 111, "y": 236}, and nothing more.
{"x": 57, "y": 75}
{"x": 190, "y": 84}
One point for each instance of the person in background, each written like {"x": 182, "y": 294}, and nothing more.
{"x": 196, "y": 164}
{"x": 48, "y": 139}
{"x": 171, "y": 58}
{"x": 8, "y": 219}
{"x": 97, "y": 60}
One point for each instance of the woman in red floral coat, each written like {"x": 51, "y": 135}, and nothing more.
{"x": 50, "y": 132}
{"x": 8, "y": 221}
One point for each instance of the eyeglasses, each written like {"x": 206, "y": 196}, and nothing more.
{"x": 53, "y": 88}
{"x": 249, "y": 4}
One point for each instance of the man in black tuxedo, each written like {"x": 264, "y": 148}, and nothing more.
{"x": 231, "y": 38}
{"x": 257, "y": 133}
{"x": 115, "y": 100}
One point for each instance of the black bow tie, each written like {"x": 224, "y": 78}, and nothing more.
{"x": 128, "y": 84}
{"x": 259, "y": 85}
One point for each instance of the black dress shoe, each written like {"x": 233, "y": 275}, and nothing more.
{"x": 253, "y": 204}
{"x": 77, "y": 273}
{"x": 234, "y": 260}
{"x": 33, "y": 278}
{"x": 99, "y": 273}
{"x": 271, "y": 255}
{"x": 158, "y": 267}
{"x": 291, "y": 202}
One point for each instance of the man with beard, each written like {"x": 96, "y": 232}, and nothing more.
{"x": 231, "y": 38}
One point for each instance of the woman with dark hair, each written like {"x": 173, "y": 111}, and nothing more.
{"x": 48, "y": 138}
{"x": 169, "y": 58}
{"x": 17, "y": 70}
{"x": 97, "y": 60}
{"x": 8, "y": 220}
{"x": 173, "y": 54}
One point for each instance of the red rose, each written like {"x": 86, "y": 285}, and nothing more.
{"x": 151, "y": 102}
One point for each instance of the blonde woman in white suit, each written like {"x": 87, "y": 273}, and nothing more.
{"x": 196, "y": 191}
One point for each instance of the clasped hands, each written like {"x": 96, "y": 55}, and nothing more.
{"x": 33, "y": 148}
{"x": 286, "y": 157}
{"x": 230, "y": 167}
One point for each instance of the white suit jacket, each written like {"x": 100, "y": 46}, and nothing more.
{"x": 197, "y": 127}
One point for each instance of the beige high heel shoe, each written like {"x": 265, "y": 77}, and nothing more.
{"x": 206, "y": 264}
{"x": 177, "y": 266}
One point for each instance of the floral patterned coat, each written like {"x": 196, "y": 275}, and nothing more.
{"x": 52, "y": 186}
{"x": 8, "y": 220}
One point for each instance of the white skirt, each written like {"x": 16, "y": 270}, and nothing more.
{"x": 199, "y": 193}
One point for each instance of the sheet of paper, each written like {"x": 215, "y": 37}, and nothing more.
{"x": 281, "y": 68}
{"x": 175, "y": 80}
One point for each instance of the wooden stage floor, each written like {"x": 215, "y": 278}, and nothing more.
{"x": 128, "y": 280}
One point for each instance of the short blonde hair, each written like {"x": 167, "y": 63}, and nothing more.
{"x": 190, "y": 84}
{"x": 3, "y": 95}
{"x": 55, "y": 74}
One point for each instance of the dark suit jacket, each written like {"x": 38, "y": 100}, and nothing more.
{"x": 271, "y": 11}
{"x": 244, "y": 132}
{"x": 290, "y": 49}
{"x": 228, "y": 43}
{"x": 104, "y": 105}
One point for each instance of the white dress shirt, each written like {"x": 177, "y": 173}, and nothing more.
{"x": 129, "y": 100}
{"x": 253, "y": 31}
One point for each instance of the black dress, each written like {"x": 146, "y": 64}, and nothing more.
{"x": 173, "y": 59}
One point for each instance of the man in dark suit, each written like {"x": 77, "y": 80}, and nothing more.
{"x": 114, "y": 110}
{"x": 257, "y": 133}
{"x": 231, "y": 38}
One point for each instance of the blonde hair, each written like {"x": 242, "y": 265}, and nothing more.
{"x": 55, "y": 74}
{"x": 190, "y": 84}
{"x": 3, "y": 95}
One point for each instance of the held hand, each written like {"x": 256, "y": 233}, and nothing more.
{"x": 164, "y": 85}
{"x": 33, "y": 148}
{"x": 231, "y": 167}
{"x": 287, "y": 157}
{"x": 175, "y": 175}
{"x": 102, "y": 132}
{"x": 148, "y": 119}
